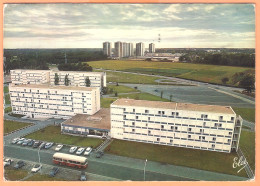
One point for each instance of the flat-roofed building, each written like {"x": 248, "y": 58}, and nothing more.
{"x": 45, "y": 101}
{"x": 118, "y": 49}
{"x": 107, "y": 48}
{"x": 140, "y": 49}
{"x": 151, "y": 48}
{"x": 78, "y": 78}
{"x": 83, "y": 124}
{"x": 25, "y": 76}
{"x": 206, "y": 127}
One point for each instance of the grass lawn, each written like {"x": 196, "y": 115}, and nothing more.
{"x": 53, "y": 134}
{"x": 200, "y": 72}
{"x": 106, "y": 102}
{"x": 10, "y": 126}
{"x": 7, "y": 99}
{"x": 247, "y": 145}
{"x": 12, "y": 174}
{"x": 143, "y": 96}
{"x": 43, "y": 177}
{"x": 6, "y": 89}
{"x": 199, "y": 159}
{"x": 8, "y": 109}
{"x": 121, "y": 89}
{"x": 246, "y": 113}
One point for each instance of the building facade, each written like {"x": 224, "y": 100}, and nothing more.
{"x": 44, "y": 101}
{"x": 107, "y": 48}
{"x": 24, "y": 76}
{"x": 205, "y": 127}
{"x": 140, "y": 49}
{"x": 151, "y": 48}
{"x": 77, "y": 78}
{"x": 118, "y": 49}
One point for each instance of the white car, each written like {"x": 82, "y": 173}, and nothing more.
{"x": 73, "y": 149}
{"x": 88, "y": 151}
{"x": 80, "y": 151}
{"x": 15, "y": 140}
{"x": 58, "y": 148}
{"x": 7, "y": 162}
{"x": 36, "y": 167}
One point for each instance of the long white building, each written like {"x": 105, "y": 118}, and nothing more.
{"x": 25, "y": 76}
{"x": 206, "y": 127}
{"x": 76, "y": 78}
{"x": 44, "y": 101}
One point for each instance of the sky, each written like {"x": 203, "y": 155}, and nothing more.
{"x": 89, "y": 25}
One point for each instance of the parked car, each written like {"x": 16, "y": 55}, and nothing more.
{"x": 54, "y": 171}
{"x": 59, "y": 147}
{"x": 25, "y": 142}
{"x": 36, "y": 167}
{"x": 21, "y": 140}
{"x": 83, "y": 176}
{"x": 15, "y": 140}
{"x": 99, "y": 154}
{"x": 88, "y": 151}
{"x": 7, "y": 162}
{"x": 19, "y": 164}
{"x": 48, "y": 145}
{"x": 31, "y": 143}
{"x": 42, "y": 145}
{"x": 80, "y": 151}
{"x": 36, "y": 144}
{"x": 73, "y": 149}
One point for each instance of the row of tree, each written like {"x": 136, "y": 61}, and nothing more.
{"x": 75, "y": 67}
{"x": 67, "y": 81}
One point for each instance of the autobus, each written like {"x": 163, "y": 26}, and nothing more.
{"x": 70, "y": 160}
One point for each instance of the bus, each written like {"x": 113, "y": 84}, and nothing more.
{"x": 70, "y": 160}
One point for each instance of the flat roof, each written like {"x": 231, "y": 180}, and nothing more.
{"x": 48, "y": 86}
{"x": 174, "y": 105}
{"x": 57, "y": 71}
{"x": 32, "y": 70}
{"x": 100, "y": 120}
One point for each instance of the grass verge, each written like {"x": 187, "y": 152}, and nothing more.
{"x": 6, "y": 89}
{"x": 12, "y": 174}
{"x": 7, "y": 99}
{"x": 246, "y": 113}
{"x": 121, "y": 89}
{"x": 53, "y": 134}
{"x": 199, "y": 159}
{"x": 10, "y": 126}
{"x": 43, "y": 177}
{"x": 106, "y": 102}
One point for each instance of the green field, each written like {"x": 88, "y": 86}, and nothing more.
{"x": 106, "y": 102}
{"x": 12, "y": 174}
{"x": 247, "y": 145}
{"x": 10, "y": 126}
{"x": 53, "y": 134}
{"x": 6, "y": 89}
{"x": 246, "y": 113}
{"x": 43, "y": 177}
{"x": 200, "y": 72}
{"x": 121, "y": 89}
{"x": 7, "y": 99}
{"x": 199, "y": 159}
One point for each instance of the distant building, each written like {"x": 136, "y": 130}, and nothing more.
{"x": 140, "y": 49}
{"x": 107, "y": 48}
{"x": 130, "y": 49}
{"x": 205, "y": 127}
{"x": 45, "y": 101}
{"x": 151, "y": 48}
{"x": 118, "y": 49}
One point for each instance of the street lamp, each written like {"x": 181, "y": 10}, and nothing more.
{"x": 39, "y": 155}
{"x": 144, "y": 168}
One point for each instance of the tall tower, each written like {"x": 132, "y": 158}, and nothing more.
{"x": 151, "y": 48}
{"x": 140, "y": 49}
{"x": 118, "y": 49}
{"x": 107, "y": 50}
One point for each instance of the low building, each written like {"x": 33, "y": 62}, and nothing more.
{"x": 45, "y": 101}
{"x": 205, "y": 127}
{"x": 83, "y": 125}
{"x": 25, "y": 76}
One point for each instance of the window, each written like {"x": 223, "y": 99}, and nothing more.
{"x": 229, "y": 140}
{"x": 163, "y": 112}
{"x": 189, "y": 136}
{"x": 158, "y": 139}
{"x": 173, "y": 113}
{"x": 149, "y": 132}
{"x": 124, "y": 109}
{"x": 172, "y": 127}
{"x": 203, "y": 137}
{"x": 133, "y": 130}
{"x": 177, "y": 113}
{"x": 146, "y": 111}
{"x": 232, "y": 118}
{"x": 136, "y": 117}
{"x": 204, "y": 124}
{"x": 133, "y": 110}
{"x": 230, "y": 133}
{"x": 176, "y": 128}
{"x": 213, "y": 146}
{"x": 220, "y": 125}
{"x": 171, "y": 141}
{"x": 220, "y": 117}
{"x": 214, "y": 139}
{"x": 149, "y": 118}
{"x": 55, "y": 112}
{"x": 124, "y": 116}
{"x": 200, "y": 137}
{"x": 133, "y": 123}
{"x": 201, "y": 130}
{"x": 159, "y": 112}
{"x": 162, "y": 127}
{"x": 189, "y": 129}
{"x": 216, "y": 124}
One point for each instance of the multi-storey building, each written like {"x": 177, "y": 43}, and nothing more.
{"x": 130, "y": 49}
{"x": 107, "y": 48}
{"x": 25, "y": 76}
{"x": 78, "y": 78}
{"x": 44, "y": 101}
{"x": 118, "y": 49}
{"x": 151, "y": 48}
{"x": 140, "y": 49}
{"x": 206, "y": 127}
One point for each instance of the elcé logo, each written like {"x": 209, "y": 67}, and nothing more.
{"x": 239, "y": 162}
